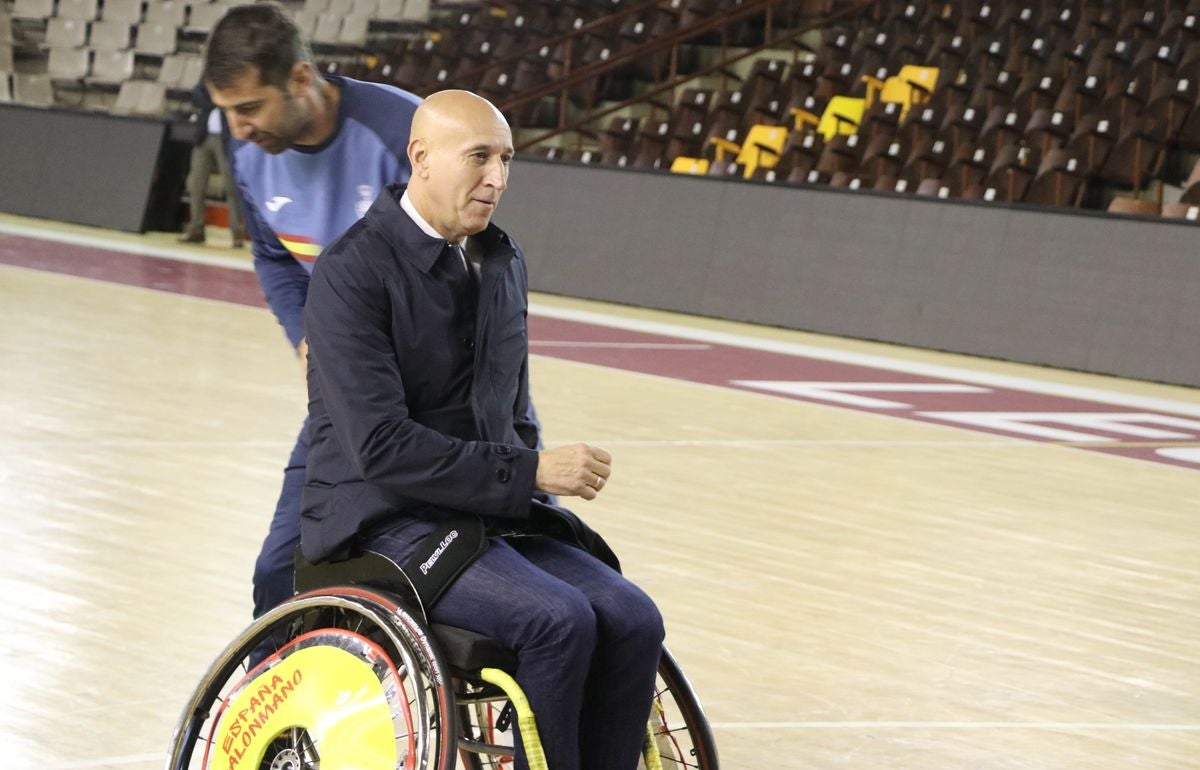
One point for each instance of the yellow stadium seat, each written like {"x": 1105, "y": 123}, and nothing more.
{"x": 842, "y": 116}
{"x": 912, "y": 85}
{"x": 686, "y": 165}
{"x": 761, "y": 148}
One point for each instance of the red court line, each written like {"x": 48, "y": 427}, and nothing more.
{"x": 1113, "y": 430}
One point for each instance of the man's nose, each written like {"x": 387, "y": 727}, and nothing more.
{"x": 497, "y": 174}
{"x": 240, "y": 129}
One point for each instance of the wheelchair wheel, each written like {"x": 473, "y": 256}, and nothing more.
{"x": 680, "y": 730}
{"x": 681, "y": 734}
{"x": 334, "y": 678}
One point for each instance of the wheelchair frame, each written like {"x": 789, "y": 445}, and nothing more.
{"x": 440, "y": 704}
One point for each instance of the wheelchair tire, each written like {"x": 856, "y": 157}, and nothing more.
{"x": 681, "y": 731}
{"x": 266, "y": 702}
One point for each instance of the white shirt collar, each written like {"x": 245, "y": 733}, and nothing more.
{"x": 407, "y": 204}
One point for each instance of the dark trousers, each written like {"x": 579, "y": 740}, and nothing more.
{"x": 588, "y": 641}
{"x": 274, "y": 568}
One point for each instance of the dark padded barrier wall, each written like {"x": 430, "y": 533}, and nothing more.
{"x": 1082, "y": 291}
{"x": 87, "y": 168}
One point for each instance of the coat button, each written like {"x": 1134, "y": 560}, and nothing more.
{"x": 504, "y": 449}
{"x": 503, "y": 475}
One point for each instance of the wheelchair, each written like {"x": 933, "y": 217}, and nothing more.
{"x": 349, "y": 675}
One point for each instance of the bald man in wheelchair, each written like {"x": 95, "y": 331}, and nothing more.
{"x": 421, "y": 450}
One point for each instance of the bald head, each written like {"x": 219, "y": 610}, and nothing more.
{"x": 460, "y": 147}
{"x": 453, "y": 110}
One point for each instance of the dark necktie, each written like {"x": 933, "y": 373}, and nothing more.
{"x": 464, "y": 273}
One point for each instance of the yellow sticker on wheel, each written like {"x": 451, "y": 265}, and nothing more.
{"x": 334, "y": 696}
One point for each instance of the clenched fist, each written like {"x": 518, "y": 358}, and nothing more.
{"x": 578, "y": 470}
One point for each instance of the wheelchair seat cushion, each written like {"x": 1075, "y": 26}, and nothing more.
{"x": 467, "y": 651}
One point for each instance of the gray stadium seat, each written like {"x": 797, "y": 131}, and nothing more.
{"x": 5, "y": 87}
{"x": 66, "y": 33}
{"x": 110, "y": 35}
{"x": 327, "y": 29}
{"x": 153, "y": 99}
{"x": 84, "y": 10}
{"x": 306, "y": 22}
{"x": 354, "y": 30}
{"x": 156, "y": 39}
{"x": 128, "y": 11}
{"x": 416, "y": 10}
{"x": 192, "y": 70}
{"x": 339, "y": 7}
{"x": 170, "y": 74}
{"x": 127, "y": 98}
{"x": 169, "y": 13}
{"x": 69, "y": 63}
{"x": 112, "y": 67}
{"x": 33, "y": 9}
{"x": 33, "y": 89}
{"x": 6, "y": 57}
{"x": 140, "y": 97}
{"x": 366, "y": 8}
{"x": 205, "y": 16}
{"x": 389, "y": 10}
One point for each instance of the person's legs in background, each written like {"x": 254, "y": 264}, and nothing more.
{"x": 233, "y": 199}
{"x": 197, "y": 183}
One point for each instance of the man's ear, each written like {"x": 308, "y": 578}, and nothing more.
{"x": 418, "y": 157}
{"x": 301, "y": 77}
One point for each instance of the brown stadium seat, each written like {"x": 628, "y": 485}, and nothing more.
{"x": 968, "y": 168}
{"x": 1059, "y": 181}
{"x": 1169, "y": 104}
{"x": 1092, "y": 141}
{"x": 1121, "y": 204}
{"x": 926, "y": 160}
{"x": 1011, "y": 172}
{"x": 1135, "y": 156}
{"x": 1188, "y": 211}
{"x": 1191, "y": 187}
{"x": 1047, "y": 129}
{"x": 883, "y": 156}
{"x": 1003, "y": 126}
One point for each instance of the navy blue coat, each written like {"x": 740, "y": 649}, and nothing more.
{"x": 413, "y": 414}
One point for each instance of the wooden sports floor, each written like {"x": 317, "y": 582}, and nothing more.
{"x": 867, "y": 556}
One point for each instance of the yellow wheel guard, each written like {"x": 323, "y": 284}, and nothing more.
{"x": 324, "y": 697}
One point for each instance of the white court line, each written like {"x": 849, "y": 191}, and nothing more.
{"x": 953, "y": 726}
{"x": 105, "y": 762}
{"x": 868, "y": 360}
{"x": 684, "y": 442}
{"x": 621, "y": 345}
{"x": 684, "y": 332}
{"x": 162, "y": 251}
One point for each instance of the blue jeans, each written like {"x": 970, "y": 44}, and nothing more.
{"x": 587, "y": 640}
{"x": 274, "y": 570}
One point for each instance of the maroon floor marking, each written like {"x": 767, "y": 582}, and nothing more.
{"x": 718, "y": 365}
